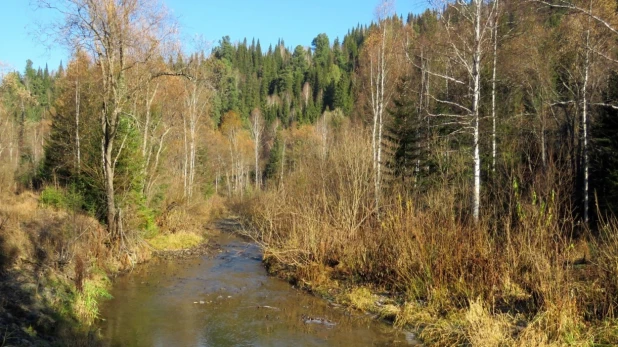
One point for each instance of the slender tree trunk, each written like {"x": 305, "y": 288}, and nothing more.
{"x": 282, "y": 165}
{"x": 234, "y": 181}
{"x": 149, "y": 101}
{"x": 586, "y": 163}
{"x": 22, "y": 126}
{"x": 107, "y": 145}
{"x": 421, "y": 99}
{"x": 381, "y": 119}
{"x": 77, "y": 136}
{"x": 257, "y": 168}
{"x": 155, "y": 167}
{"x": 12, "y": 158}
{"x": 374, "y": 130}
{"x": 185, "y": 175}
{"x": 147, "y": 148}
{"x": 229, "y": 183}
{"x": 256, "y": 130}
{"x": 475, "y": 109}
{"x": 493, "y": 90}
{"x": 109, "y": 122}
{"x": 377, "y": 79}
{"x": 217, "y": 181}
{"x": 543, "y": 140}
{"x": 192, "y": 154}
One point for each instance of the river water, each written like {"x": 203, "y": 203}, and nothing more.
{"x": 227, "y": 299}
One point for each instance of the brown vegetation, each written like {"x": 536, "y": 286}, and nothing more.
{"x": 524, "y": 276}
{"x": 56, "y": 264}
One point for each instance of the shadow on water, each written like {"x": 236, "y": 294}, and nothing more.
{"x": 227, "y": 299}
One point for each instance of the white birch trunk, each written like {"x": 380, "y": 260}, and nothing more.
{"x": 493, "y": 90}
{"x": 377, "y": 82}
{"x": 78, "y": 156}
{"x": 185, "y": 168}
{"x": 256, "y": 132}
{"x": 585, "y": 123}
{"x": 476, "y": 202}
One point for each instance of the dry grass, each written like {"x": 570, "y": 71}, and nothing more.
{"x": 484, "y": 329}
{"x": 191, "y": 217}
{"x": 177, "y": 241}
{"x": 362, "y": 299}
{"x": 511, "y": 279}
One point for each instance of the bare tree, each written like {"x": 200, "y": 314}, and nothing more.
{"x": 257, "y": 127}
{"x": 380, "y": 56}
{"x": 196, "y": 102}
{"x": 465, "y": 42}
{"x": 584, "y": 131}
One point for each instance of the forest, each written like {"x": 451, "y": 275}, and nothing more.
{"x": 462, "y": 160}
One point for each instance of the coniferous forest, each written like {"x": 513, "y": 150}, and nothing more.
{"x": 463, "y": 160}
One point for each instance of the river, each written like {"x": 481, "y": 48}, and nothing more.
{"x": 227, "y": 299}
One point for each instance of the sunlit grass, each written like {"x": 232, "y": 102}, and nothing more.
{"x": 176, "y": 241}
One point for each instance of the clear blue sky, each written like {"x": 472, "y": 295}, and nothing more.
{"x": 297, "y": 22}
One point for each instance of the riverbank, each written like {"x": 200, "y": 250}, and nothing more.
{"x": 57, "y": 265}
{"x": 534, "y": 283}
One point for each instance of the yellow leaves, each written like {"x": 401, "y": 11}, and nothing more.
{"x": 231, "y": 123}
{"x": 236, "y": 137}
{"x": 12, "y": 82}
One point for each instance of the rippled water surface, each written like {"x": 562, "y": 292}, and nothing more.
{"x": 227, "y": 299}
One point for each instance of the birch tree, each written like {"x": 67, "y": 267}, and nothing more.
{"x": 257, "y": 127}
{"x": 380, "y": 54}
{"x": 584, "y": 108}
{"x": 599, "y": 19}
{"x": 196, "y": 102}
{"x": 494, "y": 147}
{"x": 466, "y": 28}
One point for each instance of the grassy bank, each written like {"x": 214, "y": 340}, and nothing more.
{"x": 56, "y": 265}
{"x": 524, "y": 275}
{"x": 455, "y": 284}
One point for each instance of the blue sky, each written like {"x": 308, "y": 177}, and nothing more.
{"x": 297, "y": 22}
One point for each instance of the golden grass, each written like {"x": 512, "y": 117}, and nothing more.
{"x": 20, "y": 207}
{"x": 484, "y": 329}
{"x": 177, "y": 241}
{"x": 192, "y": 217}
{"x": 362, "y": 299}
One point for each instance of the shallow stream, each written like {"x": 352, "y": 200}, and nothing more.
{"x": 227, "y": 299}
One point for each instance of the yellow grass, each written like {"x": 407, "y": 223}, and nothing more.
{"x": 484, "y": 329}
{"x": 361, "y": 298}
{"x": 177, "y": 241}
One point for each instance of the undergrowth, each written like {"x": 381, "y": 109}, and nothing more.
{"x": 525, "y": 274}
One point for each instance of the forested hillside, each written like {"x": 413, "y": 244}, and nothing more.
{"x": 462, "y": 160}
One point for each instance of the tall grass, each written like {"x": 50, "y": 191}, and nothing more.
{"x": 519, "y": 276}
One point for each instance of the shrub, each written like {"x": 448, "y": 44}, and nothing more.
{"x": 53, "y": 197}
